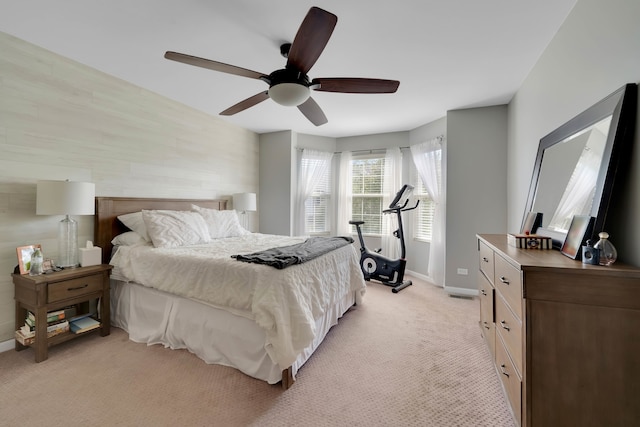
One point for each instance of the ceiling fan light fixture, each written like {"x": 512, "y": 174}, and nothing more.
{"x": 289, "y": 94}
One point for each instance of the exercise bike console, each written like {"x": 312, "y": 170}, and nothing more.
{"x": 379, "y": 267}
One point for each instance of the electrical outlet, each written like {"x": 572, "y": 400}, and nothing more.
{"x": 463, "y": 271}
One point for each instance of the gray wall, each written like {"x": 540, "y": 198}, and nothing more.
{"x": 595, "y": 52}
{"x": 476, "y": 187}
{"x": 277, "y": 175}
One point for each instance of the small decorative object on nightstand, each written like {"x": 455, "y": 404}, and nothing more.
{"x": 36, "y": 262}
{"x": 67, "y": 291}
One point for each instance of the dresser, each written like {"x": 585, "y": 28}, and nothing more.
{"x": 564, "y": 336}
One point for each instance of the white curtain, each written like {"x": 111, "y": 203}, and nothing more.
{"x": 345, "y": 199}
{"x": 313, "y": 165}
{"x": 427, "y": 157}
{"x": 390, "y": 186}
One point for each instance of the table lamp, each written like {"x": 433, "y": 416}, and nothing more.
{"x": 66, "y": 198}
{"x": 243, "y": 202}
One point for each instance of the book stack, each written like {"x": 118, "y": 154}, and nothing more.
{"x": 82, "y": 324}
{"x": 57, "y": 323}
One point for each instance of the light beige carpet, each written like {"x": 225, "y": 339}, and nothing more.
{"x": 414, "y": 358}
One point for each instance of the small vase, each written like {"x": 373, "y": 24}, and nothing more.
{"x": 36, "y": 263}
{"x": 608, "y": 253}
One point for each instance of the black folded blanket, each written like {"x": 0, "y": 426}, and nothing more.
{"x": 286, "y": 256}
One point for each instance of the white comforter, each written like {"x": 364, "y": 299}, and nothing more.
{"x": 284, "y": 302}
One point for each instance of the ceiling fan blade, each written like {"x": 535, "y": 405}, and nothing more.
{"x": 213, "y": 65}
{"x": 355, "y": 85}
{"x": 247, "y": 103}
{"x": 313, "y": 112}
{"x": 311, "y": 38}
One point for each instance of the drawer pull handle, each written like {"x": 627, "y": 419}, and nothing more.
{"x": 504, "y": 372}
{"x": 78, "y": 287}
{"x": 504, "y": 280}
{"x": 504, "y": 325}
{"x": 483, "y": 292}
{"x": 485, "y": 259}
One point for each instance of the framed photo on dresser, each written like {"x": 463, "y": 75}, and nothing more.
{"x": 579, "y": 230}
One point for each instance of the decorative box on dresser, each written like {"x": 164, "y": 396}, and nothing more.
{"x": 565, "y": 336}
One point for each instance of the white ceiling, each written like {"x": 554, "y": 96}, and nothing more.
{"x": 447, "y": 54}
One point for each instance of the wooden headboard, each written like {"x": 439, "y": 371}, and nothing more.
{"x": 107, "y": 225}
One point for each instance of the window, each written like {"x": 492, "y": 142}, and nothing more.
{"x": 366, "y": 188}
{"x": 423, "y": 218}
{"x": 316, "y": 207}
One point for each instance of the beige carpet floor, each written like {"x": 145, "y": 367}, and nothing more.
{"x": 414, "y": 358}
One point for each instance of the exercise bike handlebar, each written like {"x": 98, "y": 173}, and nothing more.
{"x": 402, "y": 208}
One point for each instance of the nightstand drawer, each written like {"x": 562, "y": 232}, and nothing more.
{"x": 74, "y": 287}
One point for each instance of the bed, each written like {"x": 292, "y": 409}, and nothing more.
{"x": 264, "y": 321}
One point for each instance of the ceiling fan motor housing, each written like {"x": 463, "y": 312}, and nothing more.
{"x": 288, "y": 87}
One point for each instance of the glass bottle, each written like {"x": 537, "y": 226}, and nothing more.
{"x": 608, "y": 253}
{"x": 36, "y": 263}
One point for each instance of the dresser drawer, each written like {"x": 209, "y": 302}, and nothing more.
{"x": 74, "y": 287}
{"x": 510, "y": 380}
{"x": 508, "y": 283}
{"x": 487, "y": 324}
{"x": 486, "y": 261}
{"x": 509, "y": 327}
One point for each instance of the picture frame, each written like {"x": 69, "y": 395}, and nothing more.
{"x": 579, "y": 230}
{"x": 24, "y": 257}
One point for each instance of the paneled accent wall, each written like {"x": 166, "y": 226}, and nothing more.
{"x": 63, "y": 120}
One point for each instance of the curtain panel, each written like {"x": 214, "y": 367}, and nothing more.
{"x": 426, "y": 157}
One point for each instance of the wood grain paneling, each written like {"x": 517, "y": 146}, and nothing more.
{"x": 63, "y": 120}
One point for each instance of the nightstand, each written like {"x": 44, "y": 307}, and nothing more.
{"x": 73, "y": 287}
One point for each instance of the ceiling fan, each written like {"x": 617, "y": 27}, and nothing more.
{"x": 291, "y": 86}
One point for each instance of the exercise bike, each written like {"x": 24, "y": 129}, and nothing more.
{"x": 375, "y": 266}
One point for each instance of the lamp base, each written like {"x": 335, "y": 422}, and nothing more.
{"x": 67, "y": 243}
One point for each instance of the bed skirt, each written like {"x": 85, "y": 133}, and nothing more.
{"x": 215, "y": 335}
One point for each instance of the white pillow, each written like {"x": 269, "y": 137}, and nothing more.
{"x": 221, "y": 224}
{"x": 135, "y": 223}
{"x": 169, "y": 229}
{"x": 128, "y": 238}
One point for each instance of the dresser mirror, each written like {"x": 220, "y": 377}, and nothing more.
{"x": 577, "y": 164}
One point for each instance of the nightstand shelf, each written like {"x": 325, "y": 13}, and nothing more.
{"x": 47, "y": 292}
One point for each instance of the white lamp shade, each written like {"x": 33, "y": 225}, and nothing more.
{"x": 289, "y": 94}
{"x": 244, "y": 202}
{"x": 65, "y": 198}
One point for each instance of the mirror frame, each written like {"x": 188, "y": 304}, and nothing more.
{"x": 621, "y": 105}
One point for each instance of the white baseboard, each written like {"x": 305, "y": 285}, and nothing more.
{"x": 418, "y": 275}
{"x": 461, "y": 292}
{"x": 7, "y": 345}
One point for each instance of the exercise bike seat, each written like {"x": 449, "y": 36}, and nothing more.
{"x": 356, "y": 222}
